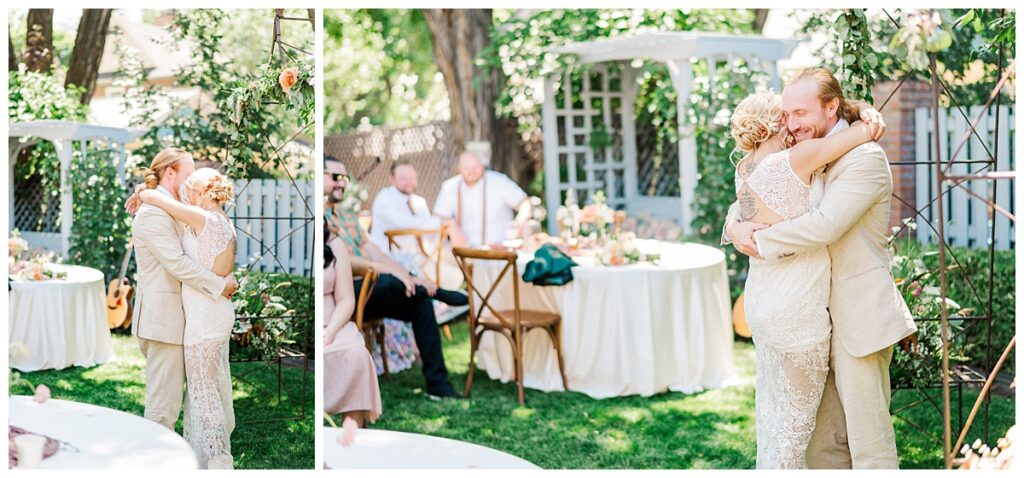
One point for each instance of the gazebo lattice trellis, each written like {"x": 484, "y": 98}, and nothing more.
{"x": 602, "y": 103}
{"x": 51, "y": 231}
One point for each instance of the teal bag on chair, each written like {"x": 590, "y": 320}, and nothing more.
{"x": 549, "y": 267}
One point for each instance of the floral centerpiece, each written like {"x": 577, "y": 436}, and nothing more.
{"x": 26, "y": 266}
{"x": 597, "y": 216}
{"x": 619, "y": 250}
{"x": 568, "y": 217}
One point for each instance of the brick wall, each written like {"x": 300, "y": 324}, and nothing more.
{"x": 898, "y": 141}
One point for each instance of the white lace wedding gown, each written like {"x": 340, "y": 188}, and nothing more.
{"x": 785, "y": 307}
{"x": 209, "y": 415}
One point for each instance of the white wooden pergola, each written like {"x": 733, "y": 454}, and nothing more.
{"x": 607, "y": 98}
{"x": 63, "y": 135}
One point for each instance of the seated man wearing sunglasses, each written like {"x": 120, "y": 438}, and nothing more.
{"x": 398, "y": 294}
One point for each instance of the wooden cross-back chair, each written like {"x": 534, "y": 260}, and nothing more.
{"x": 513, "y": 324}
{"x": 371, "y": 327}
{"x": 431, "y": 261}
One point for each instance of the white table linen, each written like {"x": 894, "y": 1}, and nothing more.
{"x": 60, "y": 322}
{"x": 639, "y": 329}
{"x": 385, "y": 449}
{"x": 104, "y": 438}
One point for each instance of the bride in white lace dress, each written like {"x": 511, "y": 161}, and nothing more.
{"x": 210, "y": 240}
{"x": 785, "y": 302}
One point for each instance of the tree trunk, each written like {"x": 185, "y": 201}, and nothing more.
{"x": 12, "y": 60}
{"x": 760, "y": 16}
{"x": 89, "y": 43}
{"x": 458, "y": 37}
{"x": 39, "y": 41}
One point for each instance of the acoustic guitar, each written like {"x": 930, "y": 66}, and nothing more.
{"x": 739, "y": 319}
{"x": 119, "y": 296}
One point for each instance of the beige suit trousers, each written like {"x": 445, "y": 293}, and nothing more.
{"x": 853, "y": 428}
{"x": 165, "y": 380}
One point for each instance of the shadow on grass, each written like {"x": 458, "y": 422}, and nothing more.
{"x": 714, "y": 429}
{"x": 120, "y": 385}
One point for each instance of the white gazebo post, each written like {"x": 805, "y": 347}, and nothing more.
{"x": 64, "y": 152}
{"x": 63, "y": 134}
{"x": 678, "y": 51}
{"x": 681, "y": 72}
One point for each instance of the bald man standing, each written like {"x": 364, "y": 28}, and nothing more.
{"x": 481, "y": 202}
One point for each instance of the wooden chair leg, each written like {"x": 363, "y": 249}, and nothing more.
{"x": 383, "y": 352}
{"x": 473, "y": 341}
{"x": 558, "y": 352}
{"x": 447, "y": 331}
{"x": 519, "y": 372}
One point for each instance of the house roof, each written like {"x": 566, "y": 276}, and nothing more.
{"x": 159, "y": 52}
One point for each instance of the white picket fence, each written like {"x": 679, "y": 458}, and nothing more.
{"x": 966, "y": 221}
{"x": 274, "y": 225}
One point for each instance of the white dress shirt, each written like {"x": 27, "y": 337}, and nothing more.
{"x": 394, "y": 210}
{"x": 503, "y": 197}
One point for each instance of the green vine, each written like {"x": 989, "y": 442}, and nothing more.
{"x": 860, "y": 62}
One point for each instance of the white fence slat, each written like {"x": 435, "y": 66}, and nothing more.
{"x": 959, "y": 200}
{"x": 966, "y": 217}
{"x": 1004, "y": 230}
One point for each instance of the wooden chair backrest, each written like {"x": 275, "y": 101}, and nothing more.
{"x": 431, "y": 257}
{"x": 369, "y": 282}
{"x": 464, "y": 258}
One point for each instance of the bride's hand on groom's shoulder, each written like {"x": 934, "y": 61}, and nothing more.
{"x": 132, "y": 204}
{"x": 873, "y": 117}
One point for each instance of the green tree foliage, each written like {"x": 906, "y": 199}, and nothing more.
{"x": 236, "y": 124}
{"x": 866, "y": 54}
{"x": 379, "y": 70}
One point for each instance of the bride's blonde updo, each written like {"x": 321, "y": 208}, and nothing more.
{"x": 211, "y": 184}
{"x": 166, "y": 158}
{"x": 756, "y": 119}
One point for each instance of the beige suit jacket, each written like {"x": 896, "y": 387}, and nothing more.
{"x": 868, "y": 312}
{"x": 162, "y": 267}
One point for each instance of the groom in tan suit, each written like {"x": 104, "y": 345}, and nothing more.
{"x": 853, "y": 427}
{"x": 159, "y": 316}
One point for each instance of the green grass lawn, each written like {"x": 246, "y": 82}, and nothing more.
{"x": 120, "y": 385}
{"x": 713, "y": 429}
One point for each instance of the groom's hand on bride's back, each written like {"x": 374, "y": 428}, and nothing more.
{"x": 742, "y": 235}
{"x": 230, "y": 286}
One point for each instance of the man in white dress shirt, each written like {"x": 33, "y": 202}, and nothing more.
{"x": 399, "y": 207}
{"x": 481, "y": 202}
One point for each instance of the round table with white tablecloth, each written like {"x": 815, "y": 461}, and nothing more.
{"x": 637, "y": 329}
{"x": 60, "y": 322}
{"x": 97, "y": 437}
{"x": 388, "y": 450}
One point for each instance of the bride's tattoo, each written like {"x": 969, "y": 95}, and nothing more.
{"x": 748, "y": 205}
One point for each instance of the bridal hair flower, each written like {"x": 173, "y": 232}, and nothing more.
{"x": 756, "y": 119}
{"x": 211, "y": 184}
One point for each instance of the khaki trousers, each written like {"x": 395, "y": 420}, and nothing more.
{"x": 165, "y": 380}
{"x": 853, "y": 428}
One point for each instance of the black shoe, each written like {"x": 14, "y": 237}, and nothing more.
{"x": 451, "y": 297}
{"x": 446, "y": 391}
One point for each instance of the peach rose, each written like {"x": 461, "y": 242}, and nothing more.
{"x": 288, "y": 78}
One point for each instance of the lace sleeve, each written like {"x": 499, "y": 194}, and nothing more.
{"x": 217, "y": 235}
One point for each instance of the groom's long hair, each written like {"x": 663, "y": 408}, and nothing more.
{"x": 166, "y": 158}
{"x": 828, "y": 89}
